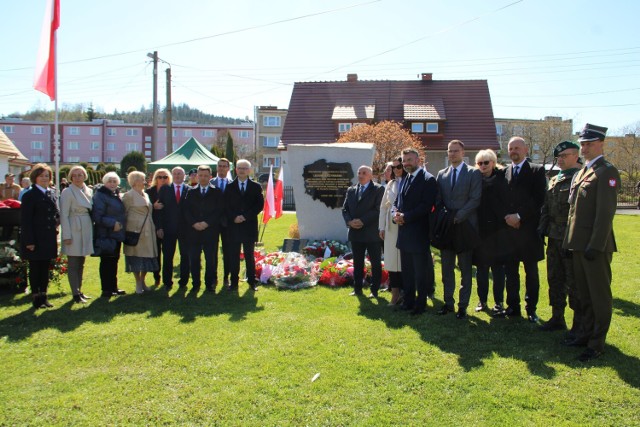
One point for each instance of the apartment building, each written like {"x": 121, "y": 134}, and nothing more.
{"x": 269, "y": 124}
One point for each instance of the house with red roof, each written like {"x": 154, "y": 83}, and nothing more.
{"x": 436, "y": 111}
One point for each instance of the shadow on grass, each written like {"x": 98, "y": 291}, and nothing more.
{"x": 480, "y": 337}
{"x": 625, "y": 308}
{"x": 189, "y": 305}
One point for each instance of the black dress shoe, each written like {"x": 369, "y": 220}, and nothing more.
{"x": 578, "y": 342}
{"x": 533, "y": 317}
{"x": 404, "y": 307}
{"x": 210, "y": 288}
{"x": 120, "y": 292}
{"x": 509, "y": 312}
{"x": 46, "y": 303}
{"x": 253, "y": 287}
{"x": 589, "y": 354}
{"x": 444, "y": 310}
{"x": 106, "y": 295}
{"x": 482, "y": 306}
{"x": 373, "y": 295}
{"x": 195, "y": 288}
{"x": 461, "y": 314}
{"x": 356, "y": 294}
{"x": 78, "y": 299}
{"x": 84, "y": 296}
{"x": 417, "y": 311}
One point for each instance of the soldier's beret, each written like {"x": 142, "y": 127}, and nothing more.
{"x": 592, "y": 133}
{"x": 564, "y": 145}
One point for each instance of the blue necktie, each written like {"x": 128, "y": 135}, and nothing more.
{"x": 453, "y": 180}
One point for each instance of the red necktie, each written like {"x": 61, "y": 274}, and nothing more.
{"x": 177, "y": 194}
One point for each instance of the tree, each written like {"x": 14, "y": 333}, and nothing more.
{"x": 624, "y": 153}
{"x": 91, "y": 113}
{"x": 389, "y": 138}
{"x": 133, "y": 159}
{"x": 230, "y": 152}
{"x": 110, "y": 168}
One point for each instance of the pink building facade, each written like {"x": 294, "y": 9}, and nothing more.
{"x": 107, "y": 141}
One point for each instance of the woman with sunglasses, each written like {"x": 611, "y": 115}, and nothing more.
{"x": 495, "y": 247}
{"x": 389, "y": 230}
{"x": 161, "y": 177}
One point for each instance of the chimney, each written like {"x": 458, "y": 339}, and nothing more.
{"x": 427, "y": 77}
{"x": 352, "y": 78}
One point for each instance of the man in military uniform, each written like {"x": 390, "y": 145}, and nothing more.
{"x": 553, "y": 223}
{"x": 593, "y": 201}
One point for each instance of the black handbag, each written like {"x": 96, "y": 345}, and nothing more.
{"x": 131, "y": 238}
{"x": 104, "y": 246}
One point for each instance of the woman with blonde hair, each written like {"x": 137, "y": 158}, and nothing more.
{"x": 161, "y": 177}
{"x": 77, "y": 228}
{"x": 141, "y": 258}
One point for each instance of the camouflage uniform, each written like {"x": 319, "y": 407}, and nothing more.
{"x": 553, "y": 223}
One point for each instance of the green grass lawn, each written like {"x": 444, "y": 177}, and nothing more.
{"x": 249, "y": 359}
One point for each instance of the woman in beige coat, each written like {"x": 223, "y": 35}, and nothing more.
{"x": 389, "y": 230}
{"x": 142, "y": 258}
{"x": 77, "y": 228}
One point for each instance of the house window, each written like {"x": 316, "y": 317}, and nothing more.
{"x": 270, "y": 141}
{"x": 132, "y": 132}
{"x": 74, "y": 131}
{"x": 175, "y": 146}
{"x": 111, "y": 159}
{"x": 187, "y": 133}
{"x": 112, "y": 132}
{"x": 344, "y": 127}
{"x": 271, "y": 121}
{"x": 94, "y": 131}
{"x": 417, "y": 127}
{"x": 37, "y": 130}
{"x": 271, "y": 161}
{"x": 132, "y": 146}
{"x": 499, "y": 129}
{"x": 536, "y": 147}
{"x": 94, "y": 159}
{"x": 432, "y": 128}
{"x": 536, "y": 156}
{"x": 73, "y": 145}
{"x": 37, "y": 159}
{"x": 36, "y": 145}
{"x": 148, "y": 138}
{"x": 243, "y": 134}
{"x": 207, "y": 133}
{"x": 8, "y": 129}
{"x": 518, "y": 130}
{"x": 95, "y": 145}
{"x": 111, "y": 146}
{"x": 73, "y": 159}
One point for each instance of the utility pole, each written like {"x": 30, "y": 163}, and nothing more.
{"x": 167, "y": 115}
{"x": 154, "y": 134}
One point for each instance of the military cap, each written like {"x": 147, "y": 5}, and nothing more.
{"x": 592, "y": 133}
{"x": 564, "y": 145}
{"x": 193, "y": 171}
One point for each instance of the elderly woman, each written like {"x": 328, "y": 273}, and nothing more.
{"x": 77, "y": 228}
{"x": 161, "y": 177}
{"x": 109, "y": 218}
{"x": 389, "y": 230}
{"x": 143, "y": 257}
{"x": 495, "y": 247}
{"x": 40, "y": 217}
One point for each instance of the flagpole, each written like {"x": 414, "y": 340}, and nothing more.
{"x": 56, "y": 134}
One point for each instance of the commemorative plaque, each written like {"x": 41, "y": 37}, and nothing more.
{"x": 327, "y": 182}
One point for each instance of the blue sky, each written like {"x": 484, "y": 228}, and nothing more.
{"x": 575, "y": 59}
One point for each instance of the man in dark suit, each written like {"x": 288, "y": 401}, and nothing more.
{"x": 221, "y": 182}
{"x": 414, "y": 204}
{"x": 203, "y": 212}
{"x": 173, "y": 229}
{"x": 526, "y": 192}
{"x": 243, "y": 202}
{"x": 360, "y": 211}
{"x": 459, "y": 190}
{"x": 592, "y": 205}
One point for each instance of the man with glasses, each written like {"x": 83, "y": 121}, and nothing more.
{"x": 553, "y": 224}
{"x": 459, "y": 191}
{"x": 589, "y": 237}
{"x": 243, "y": 202}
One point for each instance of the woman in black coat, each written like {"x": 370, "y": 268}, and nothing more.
{"x": 109, "y": 218}
{"x": 39, "y": 221}
{"x": 161, "y": 177}
{"x": 495, "y": 247}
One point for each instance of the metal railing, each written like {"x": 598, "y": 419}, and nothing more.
{"x": 628, "y": 196}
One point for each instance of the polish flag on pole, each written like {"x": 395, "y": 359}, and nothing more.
{"x": 278, "y": 194}
{"x": 45, "y": 79}
{"x": 269, "y": 210}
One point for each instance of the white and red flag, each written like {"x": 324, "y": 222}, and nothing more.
{"x": 269, "y": 210}
{"x": 45, "y": 79}
{"x": 278, "y": 194}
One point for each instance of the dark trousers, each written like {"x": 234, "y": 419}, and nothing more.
{"x": 109, "y": 272}
{"x": 593, "y": 278}
{"x": 395, "y": 279}
{"x": 39, "y": 275}
{"x": 532, "y": 284}
{"x": 168, "y": 252}
{"x": 482, "y": 279}
{"x": 249, "y": 260}
{"x": 375, "y": 257}
{"x": 226, "y": 252}
{"x": 417, "y": 275}
{"x": 204, "y": 242}
{"x": 156, "y": 273}
{"x": 448, "y": 258}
